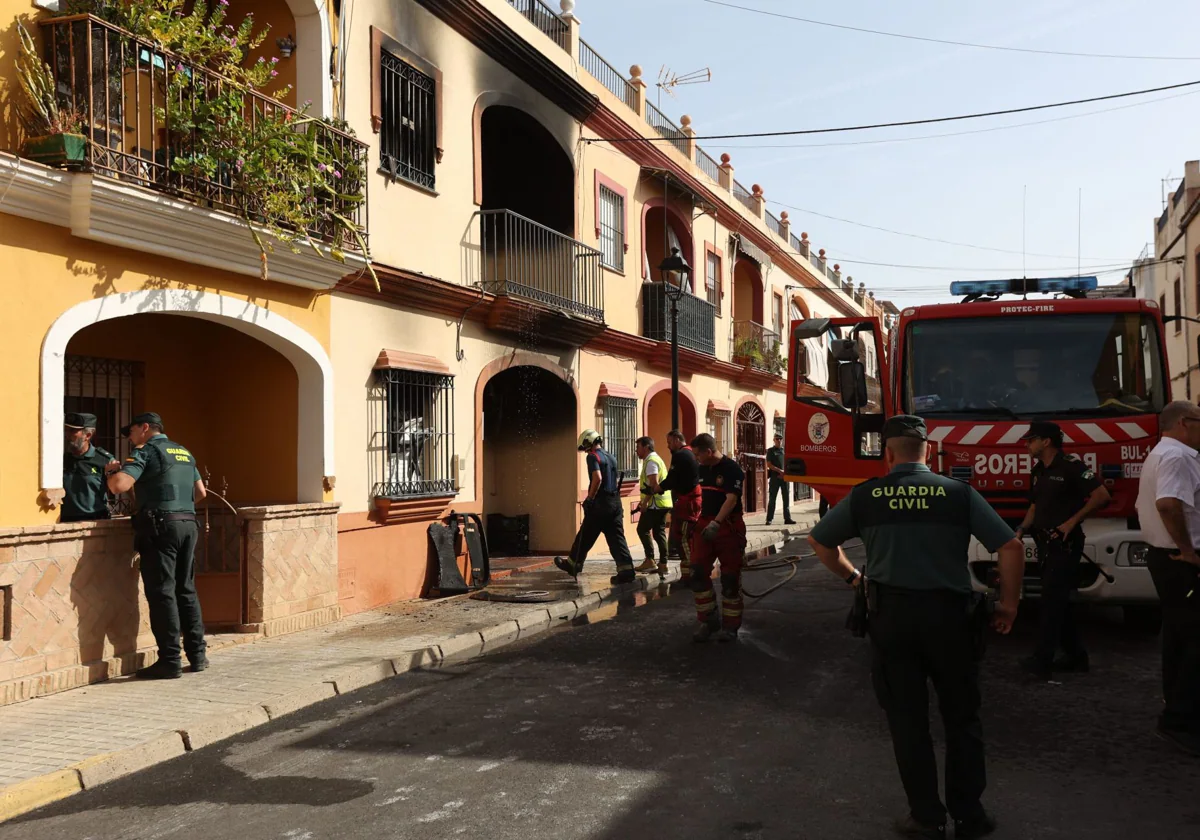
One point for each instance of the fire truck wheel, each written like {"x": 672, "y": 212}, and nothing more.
{"x": 1144, "y": 619}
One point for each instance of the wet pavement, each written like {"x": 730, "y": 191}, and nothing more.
{"x": 619, "y": 727}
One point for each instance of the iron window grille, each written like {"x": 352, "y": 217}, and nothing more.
{"x": 412, "y": 446}
{"x": 620, "y": 434}
{"x": 104, "y": 387}
{"x": 712, "y": 280}
{"x": 408, "y": 135}
{"x": 612, "y": 229}
{"x": 718, "y": 427}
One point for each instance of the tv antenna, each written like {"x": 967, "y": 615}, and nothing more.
{"x": 668, "y": 80}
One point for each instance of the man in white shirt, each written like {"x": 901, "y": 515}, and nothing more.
{"x": 1168, "y": 508}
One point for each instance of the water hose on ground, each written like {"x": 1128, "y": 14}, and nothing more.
{"x": 766, "y": 564}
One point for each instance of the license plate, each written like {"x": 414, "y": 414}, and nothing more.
{"x": 1030, "y": 552}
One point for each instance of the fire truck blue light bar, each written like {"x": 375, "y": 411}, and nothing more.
{"x": 1024, "y": 286}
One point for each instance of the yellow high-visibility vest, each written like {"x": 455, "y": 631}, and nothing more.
{"x": 663, "y": 500}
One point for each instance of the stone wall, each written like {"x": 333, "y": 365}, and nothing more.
{"x": 291, "y": 567}
{"x": 73, "y": 607}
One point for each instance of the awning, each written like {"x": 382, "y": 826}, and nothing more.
{"x": 718, "y": 406}
{"x": 616, "y": 389}
{"x": 400, "y": 360}
{"x": 752, "y": 251}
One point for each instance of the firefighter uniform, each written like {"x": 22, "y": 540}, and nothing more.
{"x": 655, "y": 508}
{"x": 1057, "y": 493}
{"x": 728, "y": 548}
{"x": 83, "y": 477}
{"x": 923, "y": 624}
{"x": 683, "y": 482}
{"x": 165, "y": 534}
{"x": 602, "y": 514}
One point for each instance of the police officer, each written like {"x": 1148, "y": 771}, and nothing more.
{"x": 602, "y": 513}
{"x": 1063, "y": 492}
{"x": 654, "y": 504}
{"x": 720, "y": 536}
{"x": 166, "y": 485}
{"x": 924, "y": 623}
{"x": 776, "y": 483}
{"x": 84, "y": 468}
{"x": 683, "y": 482}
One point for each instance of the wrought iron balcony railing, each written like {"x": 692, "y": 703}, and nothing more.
{"x": 697, "y": 319}
{"x": 122, "y": 86}
{"x": 522, "y": 258}
{"x": 757, "y": 346}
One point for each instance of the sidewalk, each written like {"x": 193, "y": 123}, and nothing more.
{"x": 55, "y": 746}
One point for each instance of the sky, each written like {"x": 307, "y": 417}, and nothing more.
{"x": 1015, "y": 190}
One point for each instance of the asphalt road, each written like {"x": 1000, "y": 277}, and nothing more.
{"x": 625, "y": 729}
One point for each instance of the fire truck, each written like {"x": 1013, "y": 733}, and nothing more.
{"x": 978, "y": 372}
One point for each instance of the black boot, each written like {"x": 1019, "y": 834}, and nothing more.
{"x": 970, "y": 829}
{"x": 623, "y": 576}
{"x": 160, "y": 670}
{"x": 198, "y": 663}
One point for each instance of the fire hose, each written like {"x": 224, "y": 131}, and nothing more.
{"x": 765, "y": 564}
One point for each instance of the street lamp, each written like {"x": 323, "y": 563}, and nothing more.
{"x": 674, "y": 271}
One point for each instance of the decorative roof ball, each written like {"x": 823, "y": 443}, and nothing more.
{"x": 837, "y": 267}
{"x": 636, "y": 71}
{"x": 567, "y": 6}
{"x": 783, "y": 216}
{"x": 803, "y": 235}
{"x": 725, "y": 158}
{"x": 685, "y": 121}
{"x": 822, "y": 253}
{"x": 756, "y": 189}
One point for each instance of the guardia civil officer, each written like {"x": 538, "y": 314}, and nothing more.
{"x": 85, "y": 466}
{"x": 1063, "y": 492}
{"x": 166, "y": 486}
{"x": 654, "y": 504}
{"x": 602, "y": 512}
{"x": 776, "y": 483}
{"x": 923, "y": 621}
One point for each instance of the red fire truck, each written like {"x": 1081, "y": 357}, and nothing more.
{"x": 978, "y": 372}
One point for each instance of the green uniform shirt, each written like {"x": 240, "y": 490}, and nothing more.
{"x": 83, "y": 479}
{"x": 916, "y": 527}
{"x": 775, "y": 459}
{"x": 164, "y": 476}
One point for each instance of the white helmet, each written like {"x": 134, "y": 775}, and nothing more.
{"x": 588, "y": 439}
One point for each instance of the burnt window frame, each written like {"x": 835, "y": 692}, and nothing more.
{"x": 392, "y": 390}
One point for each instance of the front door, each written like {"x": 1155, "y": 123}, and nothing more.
{"x": 752, "y": 455}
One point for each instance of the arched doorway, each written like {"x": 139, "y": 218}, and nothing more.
{"x": 524, "y": 170}
{"x": 530, "y": 464}
{"x": 658, "y": 415}
{"x": 751, "y": 455}
{"x": 664, "y": 228}
{"x": 747, "y": 292}
{"x": 307, "y": 71}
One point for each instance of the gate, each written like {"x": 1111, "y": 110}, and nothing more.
{"x": 752, "y": 455}
{"x": 219, "y": 563}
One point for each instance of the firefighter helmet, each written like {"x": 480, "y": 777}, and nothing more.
{"x": 588, "y": 439}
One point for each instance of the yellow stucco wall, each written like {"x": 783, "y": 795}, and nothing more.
{"x": 46, "y": 272}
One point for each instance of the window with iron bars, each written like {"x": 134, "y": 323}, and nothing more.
{"x": 408, "y": 134}
{"x": 718, "y": 427}
{"x": 712, "y": 280}
{"x": 612, "y": 229}
{"x": 104, "y": 387}
{"x": 412, "y": 444}
{"x": 620, "y": 432}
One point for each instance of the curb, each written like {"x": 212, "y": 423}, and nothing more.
{"x": 30, "y": 794}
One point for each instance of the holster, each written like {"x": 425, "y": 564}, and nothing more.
{"x": 981, "y": 609}
{"x": 147, "y": 523}
{"x": 858, "y": 619}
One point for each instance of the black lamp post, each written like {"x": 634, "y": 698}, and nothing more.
{"x": 674, "y": 271}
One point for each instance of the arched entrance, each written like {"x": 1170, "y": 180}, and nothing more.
{"x": 664, "y": 228}
{"x": 658, "y": 414}
{"x": 751, "y": 455}
{"x": 747, "y": 292}
{"x": 530, "y": 465}
{"x": 524, "y": 170}
{"x": 307, "y": 21}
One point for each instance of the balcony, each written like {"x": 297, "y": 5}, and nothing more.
{"x": 548, "y": 286}
{"x": 697, "y": 319}
{"x": 164, "y": 185}
{"x": 757, "y": 347}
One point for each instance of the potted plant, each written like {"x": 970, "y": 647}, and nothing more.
{"x": 53, "y": 134}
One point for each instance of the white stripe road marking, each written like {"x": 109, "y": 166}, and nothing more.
{"x": 1097, "y": 434}
{"x": 975, "y": 435}
{"x": 1014, "y": 434}
{"x": 1133, "y": 430}
{"x": 939, "y": 434}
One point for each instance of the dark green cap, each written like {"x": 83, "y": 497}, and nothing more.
{"x": 905, "y": 425}
{"x": 144, "y": 417}
{"x": 78, "y": 420}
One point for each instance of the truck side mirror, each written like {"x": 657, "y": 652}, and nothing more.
{"x": 811, "y": 328}
{"x": 852, "y": 382}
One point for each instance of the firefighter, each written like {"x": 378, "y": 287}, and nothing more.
{"x": 720, "y": 536}
{"x": 654, "y": 504}
{"x": 683, "y": 482}
{"x": 85, "y": 467}
{"x": 1063, "y": 492}
{"x": 602, "y": 513}
{"x": 923, "y": 621}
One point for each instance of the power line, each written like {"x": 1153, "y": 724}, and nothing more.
{"x": 960, "y": 133}
{"x": 930, "y": 238}
{"x": 904, "y": 123}
{"x": 952, "y": 43}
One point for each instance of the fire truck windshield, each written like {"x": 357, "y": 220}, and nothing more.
{"x": 1024, "y": 366}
